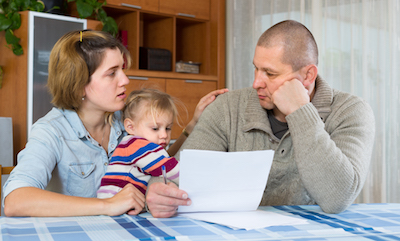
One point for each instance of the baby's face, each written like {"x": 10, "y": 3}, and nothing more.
{"x": 157, "y": 129}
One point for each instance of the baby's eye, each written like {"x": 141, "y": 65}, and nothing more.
{"x": 169, "y": 128}
{"x": 155, "y": 129}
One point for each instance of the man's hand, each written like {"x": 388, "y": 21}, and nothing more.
{"x": 163, "y": 200}
{"x": 290, "y": 96}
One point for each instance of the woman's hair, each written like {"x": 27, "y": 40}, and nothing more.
{"x": 154, "y": 101}
{"x": 73, "y": 60}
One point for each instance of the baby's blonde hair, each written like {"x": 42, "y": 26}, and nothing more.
{"x": 157, "y": 101}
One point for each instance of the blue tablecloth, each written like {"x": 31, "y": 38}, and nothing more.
{"x": 358, "y": 222}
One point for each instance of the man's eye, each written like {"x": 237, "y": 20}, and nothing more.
{"x": 269, "y": 74}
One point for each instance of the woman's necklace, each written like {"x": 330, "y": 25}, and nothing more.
{"x": 102, "y": 137}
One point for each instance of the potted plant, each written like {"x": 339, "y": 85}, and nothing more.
{"x": 10, "y": 19}
{"x": 88, "y": 8}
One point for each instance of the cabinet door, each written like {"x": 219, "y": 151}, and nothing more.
{"x": 189, "y": 93}
{"x": 187, "y": 8}
{"x": 150, "y": 5}
{"x": 137, "y": 82}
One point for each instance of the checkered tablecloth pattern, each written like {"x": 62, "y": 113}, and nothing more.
{"x": 358, "y": 222}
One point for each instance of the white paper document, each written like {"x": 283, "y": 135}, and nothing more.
{"x": 227, "y": 187}
{"x": 246, "y": 220}
{"x": 223, "y": 181}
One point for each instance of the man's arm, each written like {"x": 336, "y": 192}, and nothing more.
{"x": 333, "y": 158}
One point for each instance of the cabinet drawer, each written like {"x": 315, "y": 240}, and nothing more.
{"x": 150, "y": 5}
{"x": 137, "y": 82}
{"x": 187, "y": 8}
{"x": 189, "y": 93}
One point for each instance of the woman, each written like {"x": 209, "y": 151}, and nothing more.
{"x": 60, "y": 169}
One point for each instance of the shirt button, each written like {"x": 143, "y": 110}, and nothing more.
{"x": 83, "y": 173}
{"x": 105, "y": 163}
{"x": 112, "y": 146}
{"x": 118, "y": 133}
{"x": 270, "y": 139}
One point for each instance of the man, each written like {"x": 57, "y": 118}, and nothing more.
{"x": 322, "y": 137}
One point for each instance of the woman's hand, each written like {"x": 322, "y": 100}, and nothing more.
{"x": 163, "y": 200}
{"x": 203, "y": 103}
{"x": 129, "y": 200}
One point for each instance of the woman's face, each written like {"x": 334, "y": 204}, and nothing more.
{"x": 106, "y": 89}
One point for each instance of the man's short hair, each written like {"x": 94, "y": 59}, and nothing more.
{"x": 299, "y": 46}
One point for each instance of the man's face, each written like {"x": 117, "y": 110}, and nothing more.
{"x": 270, "y": 73}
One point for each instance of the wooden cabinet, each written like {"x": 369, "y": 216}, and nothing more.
{"x": 191, "y": 30}
{"x": 188, "y": 92}
{"x": 188, "y": 8}
{"x": 138, "y": 82}
{"x": 24, "y": 96}
{"x": 150, "y": 5}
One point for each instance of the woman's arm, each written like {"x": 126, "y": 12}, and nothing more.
{"x": 203, "y": 103}
{"x": 32, "y": 201}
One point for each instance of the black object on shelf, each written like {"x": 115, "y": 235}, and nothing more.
{"x": 155, "y": 59}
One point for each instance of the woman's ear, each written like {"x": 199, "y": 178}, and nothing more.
{"x": 129, "y": 126}
{"x": 310, "y": 72}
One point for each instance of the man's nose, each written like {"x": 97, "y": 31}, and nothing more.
{"x": 258, "y": 81}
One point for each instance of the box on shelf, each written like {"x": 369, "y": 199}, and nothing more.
{"x": 187, "y": 67}
{"x": 154, "y": 59}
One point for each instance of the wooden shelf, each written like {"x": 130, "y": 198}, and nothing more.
{"x": 190, "y": 8}
{"x": 198, "y": 36}
{"x": 170, "y": 75}
{"x": 150, "y": 5}
{"x": 192, "y": 30}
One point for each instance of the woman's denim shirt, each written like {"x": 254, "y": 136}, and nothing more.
{"x": 62, "y": 157}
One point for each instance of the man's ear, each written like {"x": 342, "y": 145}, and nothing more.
{"x": 310, "y": 72}
{"x": 129, "y": 126}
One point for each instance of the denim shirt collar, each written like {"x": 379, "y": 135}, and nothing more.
{"x": 75, "y": 122}
{"x": 116, "y": 133}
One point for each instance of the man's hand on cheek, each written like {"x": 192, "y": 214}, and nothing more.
{"x": 290, "y": 96}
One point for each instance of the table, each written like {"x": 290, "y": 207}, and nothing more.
{"x": 358, "y": 222}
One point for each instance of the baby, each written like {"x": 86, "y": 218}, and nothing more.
{"x": 148, "y": 118}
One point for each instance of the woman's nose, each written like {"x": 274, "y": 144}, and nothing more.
{"x": 124, "y": 80}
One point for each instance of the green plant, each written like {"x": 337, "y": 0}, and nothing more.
{"x": 88, "y": 8}
{"x": 10, "y": 19}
